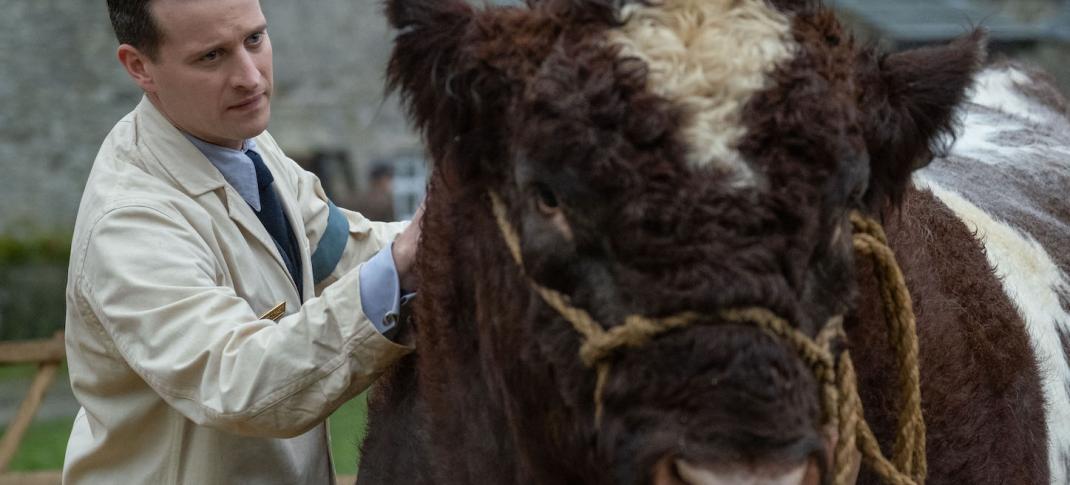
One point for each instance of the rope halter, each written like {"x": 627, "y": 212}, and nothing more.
{"x": 840, "y": 401}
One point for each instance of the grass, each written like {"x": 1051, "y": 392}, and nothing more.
{"x": 22, "y": 373}
{"x": 48, "y": 249}
{"x": 348, "y": 426}
{"x": 44, "y": 444}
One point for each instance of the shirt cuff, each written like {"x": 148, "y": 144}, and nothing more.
{"x": 380, "y": 291}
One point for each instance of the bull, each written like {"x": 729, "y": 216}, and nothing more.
{"x": 641, "y": 256}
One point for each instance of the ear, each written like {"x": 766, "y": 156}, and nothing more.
{"x": 909, "y": 103}
{"x": 427, "y": 65}
{"x": 137, "y": 65}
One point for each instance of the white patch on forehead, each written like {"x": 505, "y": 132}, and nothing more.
{"x": 1033, "y": 281}
{"x": 710, "y": 57}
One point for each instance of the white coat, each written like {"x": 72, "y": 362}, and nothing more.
{"x": 180, "y": 378}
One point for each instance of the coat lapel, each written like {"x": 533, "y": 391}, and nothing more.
{"x": 298, "y": 226}
{"x": 243, "y": 216}
{"x": 173, "y": 155}
{"x": 197, "y": 177}
{"x": 293, "y": 214}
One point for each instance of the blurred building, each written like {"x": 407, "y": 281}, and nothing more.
{"x": 410, "y": 176}
{"x": 1033, "y": 30}
{"x": 62, "y": 89}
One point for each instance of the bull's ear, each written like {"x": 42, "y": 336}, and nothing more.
{"x": 910, "y": 102}
{"x": 427, "y": 62}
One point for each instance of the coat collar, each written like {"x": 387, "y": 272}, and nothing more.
{"x": 193, "y": 173}
{"x": 173, "y": 153}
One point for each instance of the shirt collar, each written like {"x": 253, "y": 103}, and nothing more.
{"x": 206, "y": 147}
{"x": 235, "y": 166}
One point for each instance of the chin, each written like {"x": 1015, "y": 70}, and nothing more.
{"x": 246, "y": 125}
{"x": 252, "y": 129}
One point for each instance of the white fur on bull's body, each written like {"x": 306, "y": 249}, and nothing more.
{"x": 1029, "y": 274}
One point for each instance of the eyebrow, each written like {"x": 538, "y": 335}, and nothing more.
{"x": 259, "y": 28}
{"x": 201, "y": 50}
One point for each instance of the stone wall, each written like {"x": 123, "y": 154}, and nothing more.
{"x": 61, "y": 90}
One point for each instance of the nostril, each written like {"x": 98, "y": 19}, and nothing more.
{"x": 665, "y": 473}
{"x": 695, "y": 475}
{"x": 832, "y": 438}
{"x": 813, "y": 474}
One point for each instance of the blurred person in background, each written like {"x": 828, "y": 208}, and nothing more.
{"x": 219, "y": 305}
{"x": 377, "y": 202}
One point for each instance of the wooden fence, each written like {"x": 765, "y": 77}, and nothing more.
{"x": 48, "y": 355}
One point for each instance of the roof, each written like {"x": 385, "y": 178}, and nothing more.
{"x": 922, "y": 21}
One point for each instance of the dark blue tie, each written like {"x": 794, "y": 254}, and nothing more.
{"x": 274, "y": 219}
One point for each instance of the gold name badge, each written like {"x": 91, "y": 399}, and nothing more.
{"x": 275, "y": 313}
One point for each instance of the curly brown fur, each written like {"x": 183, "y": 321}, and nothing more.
{"x": 982, "y": 398}
{"x": 536, "y": 105}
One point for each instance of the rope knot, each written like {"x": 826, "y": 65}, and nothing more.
{"x": 841, "y": 403}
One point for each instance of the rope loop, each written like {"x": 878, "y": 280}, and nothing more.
{"x": 835, "y": 373}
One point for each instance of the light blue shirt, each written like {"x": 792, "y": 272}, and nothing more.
{"x": 235, "y": 166}
{"x": 380, "y": 289}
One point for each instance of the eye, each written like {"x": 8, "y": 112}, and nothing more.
{"x": 859, "y": 179}
{"x": 546, "y": 200}
{"x": 256, "y": 38}
{"x": 211, "y": 56}
{"x": 857, "y": 195}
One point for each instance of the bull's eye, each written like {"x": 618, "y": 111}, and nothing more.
{"x": 546, "y": 200}
{"x": 550, "y": 207}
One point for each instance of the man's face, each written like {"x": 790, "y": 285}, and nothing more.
{"x": 212, "y": 75}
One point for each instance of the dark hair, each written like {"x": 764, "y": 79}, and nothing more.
{"x": 381, "y": 170}
{"x": 134, "y": 25}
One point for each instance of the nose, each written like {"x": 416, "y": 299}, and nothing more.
{"x": 677, "y": 471}
{"x": 246, "y": 74}
{"x": 682, "y": 472}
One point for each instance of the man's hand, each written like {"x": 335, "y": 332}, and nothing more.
{"x": 404, "y": 251}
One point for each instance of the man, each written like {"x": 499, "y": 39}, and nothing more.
{"x": 219, "y": 307}
{"x": 377, "y": 202}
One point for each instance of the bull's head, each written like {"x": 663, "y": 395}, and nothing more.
{"x": 657, "y": 158}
